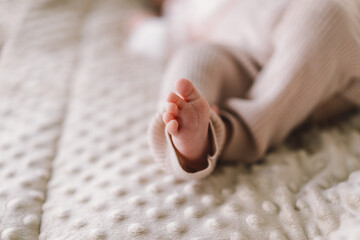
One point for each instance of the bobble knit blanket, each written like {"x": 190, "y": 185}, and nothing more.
{"x": 74, "y": 158}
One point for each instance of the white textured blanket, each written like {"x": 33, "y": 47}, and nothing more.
{"x": 74, "y": 159}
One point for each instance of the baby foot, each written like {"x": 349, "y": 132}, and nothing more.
{"x": 187, "y": 120}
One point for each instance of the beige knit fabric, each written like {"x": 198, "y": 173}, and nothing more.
{"x": 307, "y": 66}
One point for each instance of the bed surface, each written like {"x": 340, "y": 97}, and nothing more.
{"x": 74, "y": 158}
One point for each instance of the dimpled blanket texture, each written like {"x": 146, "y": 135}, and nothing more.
{"x": 75, "y": 162}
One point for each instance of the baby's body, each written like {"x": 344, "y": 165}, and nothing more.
{"x": 268, "y": 66}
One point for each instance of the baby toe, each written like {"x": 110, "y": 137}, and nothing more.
{"x": 172, "y": 127}
{"x": 172, "y": 108}
{"x": 186, "y": 89}
{"x": 174, "y": 98}
{"x": 167, "y": 117}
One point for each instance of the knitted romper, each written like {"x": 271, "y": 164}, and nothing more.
{"x": 269, "y": 66}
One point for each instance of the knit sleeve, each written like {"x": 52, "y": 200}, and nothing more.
{"x": 166, "y": 154}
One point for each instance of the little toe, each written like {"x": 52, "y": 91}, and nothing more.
{"x": 167, "y": 117}
{"x": 172, "y": 127}
{"x": 174, "y": 98}
{"x": 172, "y": 108}
{"x": 186, "y": 89}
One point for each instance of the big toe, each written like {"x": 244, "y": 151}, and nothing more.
{"x": 186, "y": 90}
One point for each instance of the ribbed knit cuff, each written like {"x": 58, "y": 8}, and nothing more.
{"x": 352, "y": 93}
{"x": 165, "y": 153}
{"x": 236, "y": 140}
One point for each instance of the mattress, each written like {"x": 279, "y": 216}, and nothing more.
{"x": 75, "y": 162}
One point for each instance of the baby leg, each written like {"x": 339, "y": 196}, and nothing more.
{"x": 215, "y": 71}
{"x": 315, "y": 55}
{"x": 214, "y": 75}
